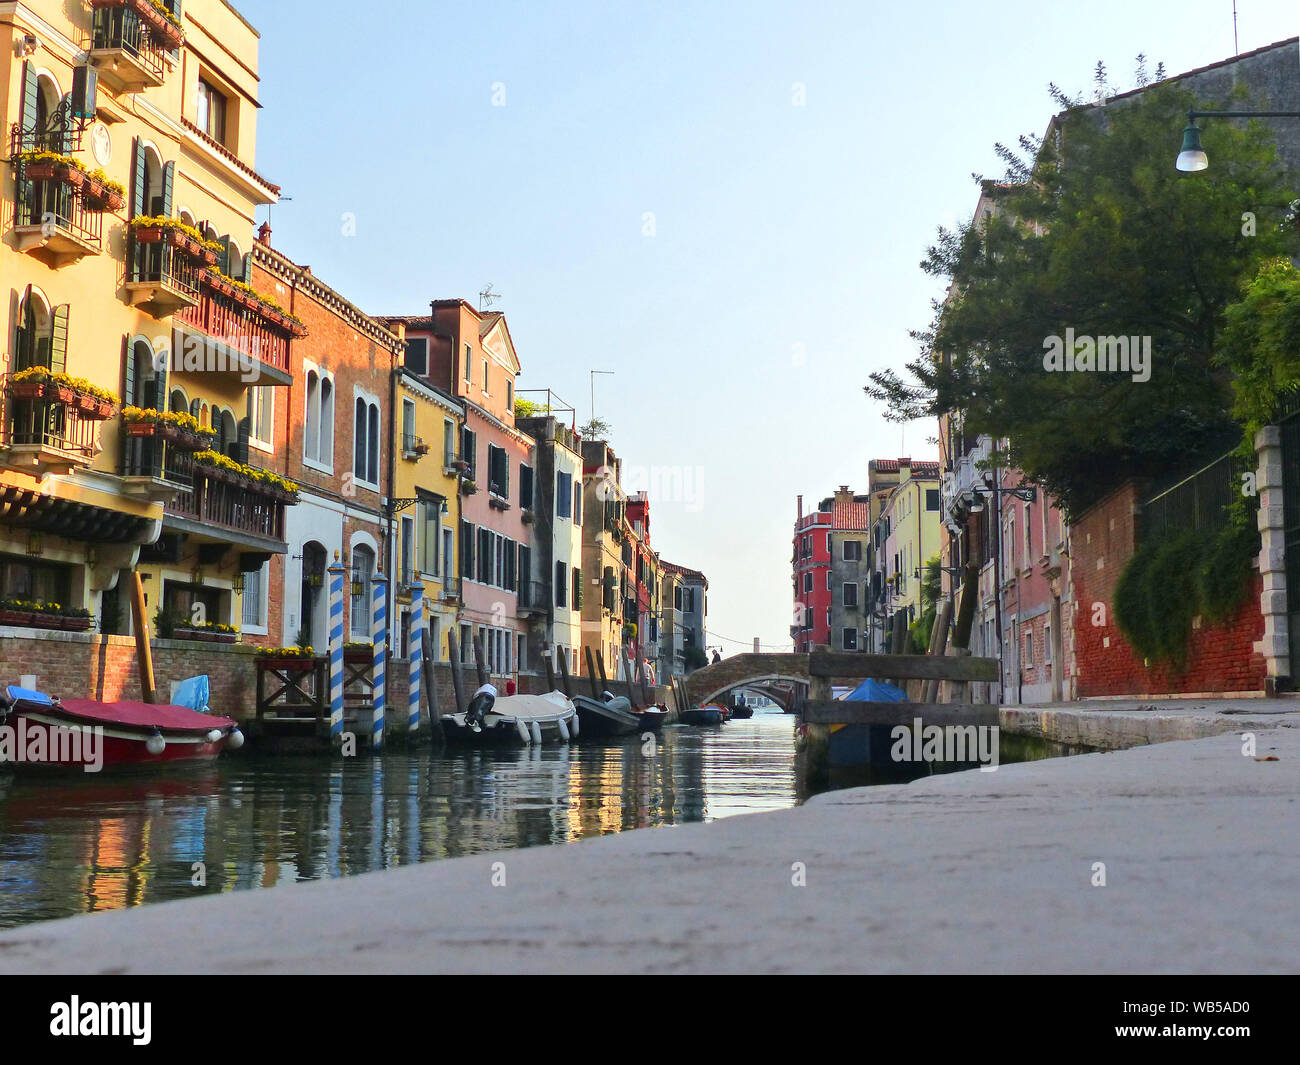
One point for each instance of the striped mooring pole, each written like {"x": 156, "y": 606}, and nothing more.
{"x": 379, "y": 678}
{"x": 416, "y": 657}
{"x": 337, "y": 573}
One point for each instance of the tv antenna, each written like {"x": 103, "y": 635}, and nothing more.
{"x": 487, "y": 297}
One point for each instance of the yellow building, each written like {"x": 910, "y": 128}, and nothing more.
{"x": 426, "y": 506}
{"x": 606, "y": 555}
{"x": 130, "y": 200}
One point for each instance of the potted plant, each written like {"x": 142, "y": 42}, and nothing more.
{"x": 358, "y": 653}
{"x": 38, "y": 382}
{"x": 15, "y": 612}
{"x": 527, "y": 517}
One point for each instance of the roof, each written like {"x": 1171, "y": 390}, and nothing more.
{"x": 920, "y": 467}
{"x": 851, "y": 516}
{"x": 489, "y": 319}
{"x": 682, "y": 571}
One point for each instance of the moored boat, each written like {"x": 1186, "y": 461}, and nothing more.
{"x": 704, "y": 715}
{"x": 50, "y": 733}
{"x": 610, "y": 717}
{"x": 652, "y": 718}
{"x": 517, "y": 720}
{"x": 741, "y": 712}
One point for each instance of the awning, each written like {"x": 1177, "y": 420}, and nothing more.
{"x": 25, "y": 508}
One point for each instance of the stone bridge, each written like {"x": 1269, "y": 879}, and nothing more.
{"x": 760, "y": 672}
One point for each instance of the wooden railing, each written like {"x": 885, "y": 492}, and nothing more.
{"x": 241, "y": 328}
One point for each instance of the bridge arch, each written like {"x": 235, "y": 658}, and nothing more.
{"x": 743, "y": 671}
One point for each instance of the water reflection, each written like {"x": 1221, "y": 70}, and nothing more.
{"x": 78, "y": 845}
{"x": 72, "y": 845}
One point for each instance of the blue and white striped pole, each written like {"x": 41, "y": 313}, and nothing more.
{"x": 416, "y": 656}
{"x": 337, "y": 573}
{"x": 379, "y": 633}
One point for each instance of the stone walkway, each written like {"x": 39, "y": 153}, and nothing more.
{"x": 968, "y": 872}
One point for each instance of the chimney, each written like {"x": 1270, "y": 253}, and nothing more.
{"x": 904, "y": 470}
{"x": 801, "y": 507}
{"x": 264, "y": 234}
{"x": 844, "y": 494}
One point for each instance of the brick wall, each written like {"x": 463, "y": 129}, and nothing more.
{"x": 1219, "y": 659}
{"x": 85, "y": 666}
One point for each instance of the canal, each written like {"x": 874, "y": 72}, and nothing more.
{"x": 80, "y": 845}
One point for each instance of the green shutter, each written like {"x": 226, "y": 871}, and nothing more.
{"x": 241, "y": 448}
{"x": 128, "y": 373}
{"x": 168, "y": 189}
{"x": 139, "y": 178}
{"x": 223, "y": 259}
{"x": 28, "y": 115}
{"x": 59, "y": 339}
{"x": 160, "y": 385}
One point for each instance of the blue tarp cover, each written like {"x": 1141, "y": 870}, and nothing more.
{"x": 877, "y": 691}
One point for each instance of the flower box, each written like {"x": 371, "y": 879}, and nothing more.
{"x": 362, "y": 656}
{"x": 87, "y": 404}
{"x": 27, "y": 389}
{"x": 43, "y": 171}
{"x": 63, "y": 393}
{"x": 15, "y": 617}
{"x": 468, "y": 487}
{"x": 288, "y": 665}
{"x": 150, "y": 235}
{"x": 204, "y": 635}
{"x": 105, "y": 409}
{"x": 99, "y": 197}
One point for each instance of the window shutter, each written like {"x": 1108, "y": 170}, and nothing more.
{"x": 159, "y": 399}
{"x": 466, "y": 549}
{"x": 168, "y": 189}
{"x": 196, "y": 405}
{"x": 223, "y": 258}
{"x": 526, "y": 487}
{"x": 374, "y": 444}
{"x": 241, "y": 448}
{"x": 128, "y": 374}
{"x": 28, "y": 116}
{"x": 59, "y": 339}
{"x": 24, "y": 348}
{"x": 525, "y": 573}
{"x": 511, "y": 566}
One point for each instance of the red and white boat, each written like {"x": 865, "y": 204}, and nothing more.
{"x": 37, "y": 731}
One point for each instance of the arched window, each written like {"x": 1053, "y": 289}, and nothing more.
{"x": 326, "y": 451}
{"x": 178, "y": 402}
{"x": 363, "y": 569}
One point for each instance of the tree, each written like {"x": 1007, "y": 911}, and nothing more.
{"x": 931, "y": 593}
{"x": 596, "y": 429}
{"x": 1098, "y": 234}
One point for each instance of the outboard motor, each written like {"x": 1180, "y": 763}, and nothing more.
{"x": 484, "y": 699}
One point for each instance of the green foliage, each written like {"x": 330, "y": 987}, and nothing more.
{"x": 695, "y": 658}
{"x": 1223, "y": 577}
{"x": 596, "y": 429}
{"x": 1261, "y": 345}
{"x": 920, "y": 630}
{"x": 1169, "y": 581}
{"x": 1100, "y": 234}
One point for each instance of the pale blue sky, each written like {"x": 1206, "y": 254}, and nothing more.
{"x": 784, "y": 262}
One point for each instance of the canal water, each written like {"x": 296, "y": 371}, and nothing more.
{"x": 79, "y": 845}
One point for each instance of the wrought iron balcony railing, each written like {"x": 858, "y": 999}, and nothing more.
{"x": 48, "y": 210}
{"x": 126, "y": 54}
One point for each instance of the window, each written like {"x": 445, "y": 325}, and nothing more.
{"x": 520, "y": 661}
{"x": 576, "y": 598}
{"x": 526, "y": 487}
{"x": 1029, "y": 536}
{"x": 311, "y": 419}
{"x": 828, "y": 580}
{"x": 850, "y": 595}
{"x": 510, "y": 394}
{"x": 363, "y": 569}
{"x": 253, "y": 610}
{"x": 932, "y": 499}
{"x": 448, "y": 441}
{"x": 408, "y": 550}
{"x": 850, "y": 638}
{"x": 261, "y": 406}
{"x": 807, "y": 587}
{"x": 561, "y": 585}
{"x": 446, "y": 554}
{"x": 577, "y": 503}
{"x": 465, "y": 648}
{"x": 467, "y": 541}
{"x": 852, "y": 550}
{"x": 326, "y": 420}
{"x": 485, "y": 377}
{"x": 417, "y": 355}
{"x": 1029, "y": 649}
{"x": 469, "y": 450}
{"x": 499, "y": 471}
{"x": 1047, "y": 644}
{"x": 563, "y": 494}
{"x": 408, "y": 425}
{"x": 365, "y": 466}
{"x": 210, "y": 113}
{"x": 431, "y": 515}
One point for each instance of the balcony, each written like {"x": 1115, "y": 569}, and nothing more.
{"x": 207, "y": 500}
{"x": 122, "y": 49}
{"x": 161, "y": 278}
{"x": 533, "y": 598}
{"x": 244, "y": 335}
{"x": 965, "y": 476}
{"x": 46, "y": 435}
{"x": 52, "y": 217}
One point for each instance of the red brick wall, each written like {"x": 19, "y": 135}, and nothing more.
{"x": 1219, "y": 659}
{"x": 84, "y": 666}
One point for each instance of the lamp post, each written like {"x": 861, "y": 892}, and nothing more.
{"x": 1192, "y": 158}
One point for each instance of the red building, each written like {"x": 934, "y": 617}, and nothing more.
{"x": 643, "y": 587}
{"x": 811, "y": 562}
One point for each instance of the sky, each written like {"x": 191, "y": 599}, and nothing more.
{"x": 723, "y": 204}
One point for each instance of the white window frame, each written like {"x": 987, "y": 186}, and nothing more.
{"x": 371, "y": 402}
{"x": 257, "y": 395}
{"x": 260, "y": 627}
{"x": 408, "y": 404}
{"x": 1028, "y": 660}
{"x": 323, "y": 460}
{"x": 1047, "y": 643}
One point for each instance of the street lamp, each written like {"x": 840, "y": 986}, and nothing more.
{"x": 1027, "y": 493}
{"x": 1192, "y": 158}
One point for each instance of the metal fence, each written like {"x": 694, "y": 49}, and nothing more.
{"x": 1198, "y": 501}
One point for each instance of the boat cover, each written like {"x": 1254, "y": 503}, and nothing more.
{"x": 540, "y": 708}
{"x": 877, "y": 691}
{"x": 132, "y": 715}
